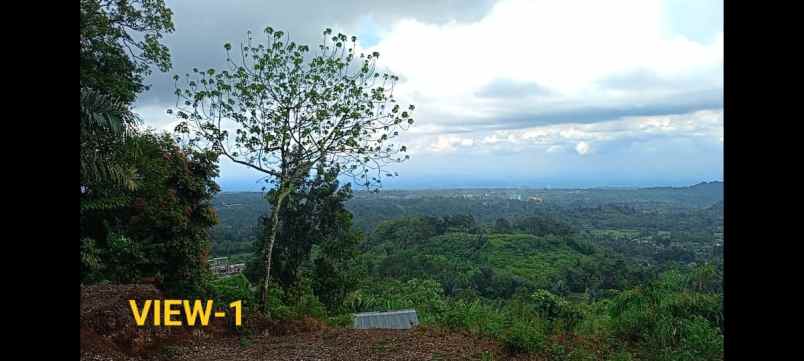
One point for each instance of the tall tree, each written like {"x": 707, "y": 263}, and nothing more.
{"x": 120, "y": 43}
{"x": 312, "y": 217}
{"x": 291, "y": 111}
{"x": 162, "y": 224}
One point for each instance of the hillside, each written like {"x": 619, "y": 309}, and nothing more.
{"x": 495, "y": 265}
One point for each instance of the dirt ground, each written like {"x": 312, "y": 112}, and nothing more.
{"x": 108, "y": 333}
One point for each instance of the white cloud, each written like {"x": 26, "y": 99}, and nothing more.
{"x": 449, "y": 143}
{"x": 554, "y": 148}
{"x": 582, "y": 148}
{"x": 706, "y": 126}
{"x": 568, "y": 47}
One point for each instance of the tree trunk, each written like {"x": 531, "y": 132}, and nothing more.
{"x": 268, "y": 247}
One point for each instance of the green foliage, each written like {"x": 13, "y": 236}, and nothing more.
{"x": 342, "y": 320}
{"x": 632, "y": 227}
{"x": 111, "y": 32}
{"x": 313, "y": 215}
{"x": 331, "y": 107}
{"x": 294, "y": 112}
{"x": 276, "y": 306}
{"x": 304, "y": 302}
{"x": 405, "y": 232}
{"x": 229, "y": 289}
{"x": 621, "y": 356}
{"x": 670, "y": 320}
{"x": 588, "y": 294}
{"x": 106, "y": 124}
{"x": 542, "y": 226}
{"x": 90, "y": 260}
{"x": 502, "y": 225}
{"x": 317, "y": 237}
{"x": 163, "y": 226}
{"x": 554, "y": 308}
{"x": 122, "y": 259}
{"x": 144, "y": 201}
{"x": 425, "y": 296}
{"x": 581, "y": 354}
{"x": 496, "y": 265}
{"x": 524, "y": 335}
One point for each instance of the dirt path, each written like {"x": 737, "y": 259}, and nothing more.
{"x": 332, "y": 344}
{"x": 343, "y": 344}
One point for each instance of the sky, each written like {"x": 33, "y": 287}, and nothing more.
{"x": 508, "y": 93}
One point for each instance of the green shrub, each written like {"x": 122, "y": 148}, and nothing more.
{"x": 425, "y": 296}
{"x": 555, "y": 308}
{"x": 621, "y": 355}
{"x": 342, "y": 320}
{"x": 307, "y": 304}
{"x": 478, "y": 317}
{"x": 581, "y": 354}
{"x": 276, "y": 307}
{"x": 230, "y": 289}
{"x": 524, "y": 335}
{"x": 122, "y": 260}
{"x": 701, "y": 341}
{"x": 669, "y": 321}
{"x": 686, "y": 340}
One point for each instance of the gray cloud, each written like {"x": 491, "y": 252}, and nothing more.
{"x": 524, "y": 117}
{"x": 638, "y": 79}
{"x": 203, "y": 26}
{"x": 508, "y": 88}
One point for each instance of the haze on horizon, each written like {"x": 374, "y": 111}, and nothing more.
{"x": 508, "y": 93}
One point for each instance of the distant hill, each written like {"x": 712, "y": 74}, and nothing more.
{"x": 239, "y": 212}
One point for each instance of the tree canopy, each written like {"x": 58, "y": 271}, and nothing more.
{"x": 291, "y": 111}
{"x": 120, "y": 43}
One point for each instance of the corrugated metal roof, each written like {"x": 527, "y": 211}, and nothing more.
{"x": 401, "y": 319}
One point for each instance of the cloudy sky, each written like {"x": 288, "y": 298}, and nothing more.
{"x": 563, "y": 93}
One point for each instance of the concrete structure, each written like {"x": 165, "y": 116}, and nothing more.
{"x": 221, "y": 267}
{"x": 398, "y": 320}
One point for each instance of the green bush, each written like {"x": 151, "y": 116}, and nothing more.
{"x": 700, "y": 341}
{"x": 524, "y": 335}
{"x": 294, "y": 303}
{"x": 276, "y": 307}
{"x": 230, "y": 289}
{"x": 685, "y": 340}
{"x": 669, "y": 320}
{"x": 425, "y": 296}
{"x": 122, "y": 260}
{"x": 555, "y": 309}
{"x": 90, "y": 261}
{"x": 342, "y": 320}
{"x": 621, "y": 355}
{"x": 305, "y": 303}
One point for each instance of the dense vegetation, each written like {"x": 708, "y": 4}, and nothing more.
{"x": 649, "y": 222}
{"x": 623, "y": 280}
{"x": 145, "y": 200}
